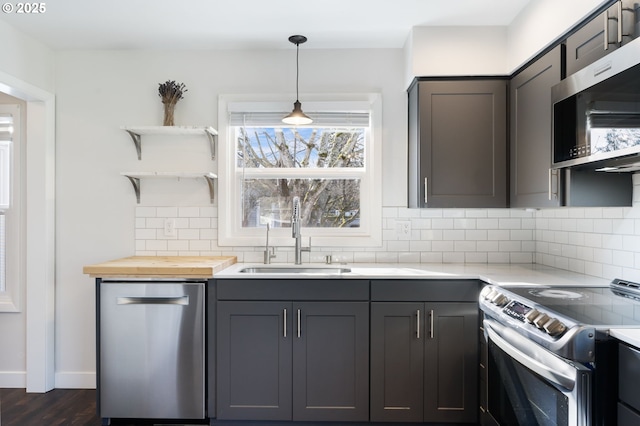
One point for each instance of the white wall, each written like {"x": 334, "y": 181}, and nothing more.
{"x": 27, "y": 72}
{"x": 541, "y": 23}
{"x": 456, "y": 51}
{"x": 25, "y": 59}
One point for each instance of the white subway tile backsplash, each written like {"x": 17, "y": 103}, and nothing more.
{"x": 167, "y": 212}
{"x": 146, "y": 212}
{"x": 454, "y": 235}
{"x": 452, "y": 257}
{"x": 431, "y": 257}
{"x": 188, "y": 212}
{"x": 200, "y": 222}
{"x": 603, "y": 242}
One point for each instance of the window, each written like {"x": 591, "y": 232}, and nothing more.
{"x": 10, "y": 219}
{"x": 6, "y": 135}
{"x": 330, "y": 165}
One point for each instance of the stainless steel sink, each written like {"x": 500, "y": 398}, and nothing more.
{"x": 294, "y": 270}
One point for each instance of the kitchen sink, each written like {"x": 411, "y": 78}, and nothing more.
{"x": 294, "y": 270}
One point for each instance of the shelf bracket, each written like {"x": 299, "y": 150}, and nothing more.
{"x": 136, "y": 186}
{"x": 213, "y": 139}
{"x": 137, "y": 141}
{"x": 210, "y": 180}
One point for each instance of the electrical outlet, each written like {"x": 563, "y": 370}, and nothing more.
{"x": 403, "y": 229}
{"x": 170, "y": 228}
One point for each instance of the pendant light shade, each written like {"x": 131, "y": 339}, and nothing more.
{"x": 297, "y": 117}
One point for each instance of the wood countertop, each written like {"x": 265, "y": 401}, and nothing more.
{"x": 161, "y": 267}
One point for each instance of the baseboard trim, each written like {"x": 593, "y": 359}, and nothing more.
{"x": 75, "y": 380}
{"x": 13, "y": 379}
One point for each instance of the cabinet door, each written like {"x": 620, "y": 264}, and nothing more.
{"x": 588, "y": 44}
{"x": 397, "y": 354}
{"x": 254, "y": 360}
{"x": 331, "y": 361}
{"x": 531, "y": 180}
{"x": 606, "y": 32}
{"x": 451, "y": 363}
{"x": 458, "y": 143}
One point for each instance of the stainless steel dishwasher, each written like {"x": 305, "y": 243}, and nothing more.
{"x": 151, "y": 349}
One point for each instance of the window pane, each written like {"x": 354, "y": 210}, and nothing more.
{"x": 326, "y": 203}
{"x": 299, "y": 147}
{"x": 2, "y": 255}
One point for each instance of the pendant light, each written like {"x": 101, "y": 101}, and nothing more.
{"x": 297, "y": 117}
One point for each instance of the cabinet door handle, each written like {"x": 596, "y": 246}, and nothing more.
{"x": 553, "y": 195}
{"x": 606, "y": 29}
{"x": 418, "y": 324}
{"x": 619, "y": 21}
{"x": 425, "y": 190}
{"x": 298, "y": 323}
{"x": 431, "y": 324}
{"x": 284, "y": 322}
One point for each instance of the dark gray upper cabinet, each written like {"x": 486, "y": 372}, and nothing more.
{"x": 424, "y": 351}
{"x": 458, "y": 143}
{"x": 533, "y": 184}
{"x": 601, "y": 35}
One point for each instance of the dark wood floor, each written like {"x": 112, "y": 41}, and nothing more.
{"x": 55, "y": 408}
{"x": 59, "y": 407}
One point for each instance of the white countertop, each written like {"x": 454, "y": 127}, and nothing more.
{"x": 497, "y": 274}
{"x": 627, "y": 335}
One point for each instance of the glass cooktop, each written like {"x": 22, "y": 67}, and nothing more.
{"x": 596, "y": 306}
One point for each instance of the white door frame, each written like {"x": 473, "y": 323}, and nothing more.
{"x": 40, "y": 231}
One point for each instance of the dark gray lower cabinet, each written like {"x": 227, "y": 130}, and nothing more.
{"x": 254, "y": 361}
{"x": 424, "y": 359}
{"x": 304, "y": 361}
{"x": 628, "y": 377}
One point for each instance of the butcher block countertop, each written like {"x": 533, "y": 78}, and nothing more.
{"x": 161, "y": 267}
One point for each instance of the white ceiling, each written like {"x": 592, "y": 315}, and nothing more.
{"x": 248, "y": 24}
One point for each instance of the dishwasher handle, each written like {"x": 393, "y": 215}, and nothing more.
{"x": 179, "y": 300}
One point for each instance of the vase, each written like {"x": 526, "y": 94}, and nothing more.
{"x": 169, "y": 108}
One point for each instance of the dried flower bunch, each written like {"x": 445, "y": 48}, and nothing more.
{"x": 171, "y": 92}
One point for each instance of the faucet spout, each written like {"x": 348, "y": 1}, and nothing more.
{"x": 295, "y": 231}
{"x": 269, "y": 252}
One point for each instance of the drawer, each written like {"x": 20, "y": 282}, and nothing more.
{"x": 425, "y": 290}
{"x": 292, "y": 289}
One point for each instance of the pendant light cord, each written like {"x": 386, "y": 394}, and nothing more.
{"x": 297, "y": 70}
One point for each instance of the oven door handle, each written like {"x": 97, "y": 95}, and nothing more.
{"x": 533, "y": 356}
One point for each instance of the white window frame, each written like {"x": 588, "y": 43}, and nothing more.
{"x": 368, "y": 234}
{"x": 10, "y": 298}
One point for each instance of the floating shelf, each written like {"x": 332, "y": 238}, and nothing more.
{"x": 136, "y": 133}
{"x": 134, "y": 178}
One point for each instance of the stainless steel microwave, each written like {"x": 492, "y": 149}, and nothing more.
{"x": 596, "y": 114}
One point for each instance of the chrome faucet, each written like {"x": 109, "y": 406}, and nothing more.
{"x": 295, "y": 231}
{"x": 269, "y": 252}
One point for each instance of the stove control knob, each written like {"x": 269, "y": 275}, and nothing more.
{"x": 486, "y": 292}
{"x": 554, "y": 327}
{"x": 531, "y": 315}
{"x": 540, "y": 320}
{"x": 500, "y": 300}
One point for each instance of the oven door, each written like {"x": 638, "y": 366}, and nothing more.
{"x": 528, "y": 385}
